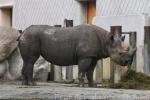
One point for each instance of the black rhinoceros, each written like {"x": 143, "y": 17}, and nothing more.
{"x": 81, "y": 45}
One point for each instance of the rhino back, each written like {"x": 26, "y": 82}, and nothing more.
{"x": 67, "y": 45}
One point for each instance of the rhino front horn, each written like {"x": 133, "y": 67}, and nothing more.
{"x": 132, "y": 50}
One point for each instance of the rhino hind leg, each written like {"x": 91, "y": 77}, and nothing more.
{"x": 27, "y": 74}
{"x": 28, "y": 65}
{"x": 84, "y": 66}
{"x": 29, "y": 57}
{"x": 89, "y": 74}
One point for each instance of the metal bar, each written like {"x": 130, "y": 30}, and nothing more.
{"x": 132, "y": 40}
{"x": 115, "y": 69}
{"x": 147, "y": 50}
{"x": 128, "y": 32}
{"x": 57, "y": 73}
{"x": 99, "y": 71}
{"x": 116, "y": 30}
{"x": 57, "y": 69}
{"x": 69, "y": 69}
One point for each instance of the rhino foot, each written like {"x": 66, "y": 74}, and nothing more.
{"x": 81, "y": 85}
{"x": 93, "y": 84}
{"x": 29, "y": 83}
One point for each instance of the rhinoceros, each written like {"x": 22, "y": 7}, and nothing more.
{"x": 81, "y": 45}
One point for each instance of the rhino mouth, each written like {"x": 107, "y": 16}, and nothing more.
{"x": 122, "y": 62}
{"x": 125, "y": 63}
{"x": 126, "y": 58}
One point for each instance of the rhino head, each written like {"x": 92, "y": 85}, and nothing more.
{"x": 117, "y": 52}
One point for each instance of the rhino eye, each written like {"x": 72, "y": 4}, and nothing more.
{"x": 117, "y": 44}
{"x": 121, "y": 53}
{"x": 123, "y": 38}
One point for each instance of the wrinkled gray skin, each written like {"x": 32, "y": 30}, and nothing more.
{"x": 81, "y": 45}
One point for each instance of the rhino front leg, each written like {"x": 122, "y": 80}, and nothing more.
{"x": 81, "y": 78}
{"x": 84, "y": 65}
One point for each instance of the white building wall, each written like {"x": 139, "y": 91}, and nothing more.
{"x": 50, "y": 12}
{"x": 6, "y": 2}
{"x": 122, "y": 7}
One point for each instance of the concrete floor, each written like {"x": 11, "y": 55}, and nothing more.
{"x": 57, "y": 91}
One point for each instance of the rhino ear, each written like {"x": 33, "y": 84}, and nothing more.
{"x": 112, "y": 37}
{"x": 123, "y": 38}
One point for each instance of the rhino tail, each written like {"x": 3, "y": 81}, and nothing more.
{"x": 20, "y": 31}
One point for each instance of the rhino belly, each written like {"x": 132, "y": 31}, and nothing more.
{"x": 59, "y": 53}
